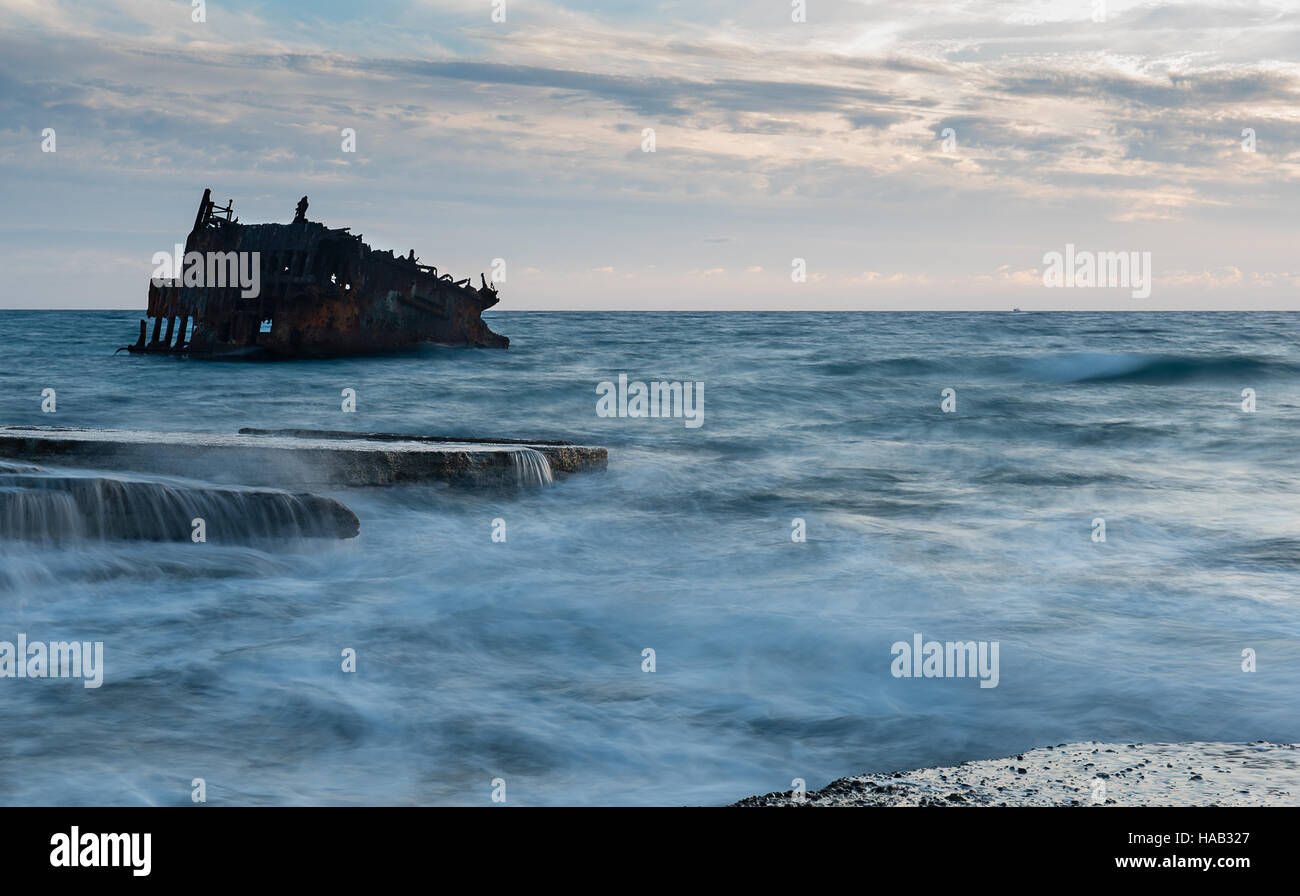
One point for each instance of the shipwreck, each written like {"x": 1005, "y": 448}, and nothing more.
{"x": 303, "y": 290}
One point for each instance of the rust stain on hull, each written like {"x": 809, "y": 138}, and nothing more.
{"x": 323, "y": 293}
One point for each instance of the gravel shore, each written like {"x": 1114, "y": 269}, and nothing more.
{"x": 1081, "y": 774}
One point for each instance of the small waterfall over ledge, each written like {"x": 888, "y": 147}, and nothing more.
{"x": 532, "y": 469}
{"x": 43, "y": 506}
{"x": 38, "y": 515}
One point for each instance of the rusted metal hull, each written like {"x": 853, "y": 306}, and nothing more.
{"x": 323, "y": 292}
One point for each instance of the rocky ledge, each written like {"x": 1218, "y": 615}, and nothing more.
{"x": 564, "y": 457}
{"x": 53, "y": 506}
{"x": 301, "y": 458}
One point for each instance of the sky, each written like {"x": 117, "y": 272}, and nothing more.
{"x": 916, "y": 154}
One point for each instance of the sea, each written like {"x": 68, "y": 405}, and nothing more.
{"x": 1110, "y": 497}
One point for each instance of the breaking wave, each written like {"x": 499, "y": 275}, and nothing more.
{"x": 1154, "y": 369}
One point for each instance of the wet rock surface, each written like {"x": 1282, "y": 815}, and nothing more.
{"x": 564, "y": 457}
{"x": 1081, "y": 774}
{"x": 56, "y": 506}
{"x": 283, "y": 460}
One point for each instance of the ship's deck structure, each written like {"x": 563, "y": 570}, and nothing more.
{"x": 321, "y": 292}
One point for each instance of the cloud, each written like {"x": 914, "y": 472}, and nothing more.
{"x": 524, "y": 140}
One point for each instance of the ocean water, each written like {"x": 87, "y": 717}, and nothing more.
{"x": 523, "y": 660}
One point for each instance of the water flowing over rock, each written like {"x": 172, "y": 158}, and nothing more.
{"x": 563, "y": 457}
{"x": 531, "y": 468}
{"x": 301, "y": 461}
{"x": 43, "y": 506}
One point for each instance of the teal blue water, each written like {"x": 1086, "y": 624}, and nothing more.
{"x": 523, "y": 661}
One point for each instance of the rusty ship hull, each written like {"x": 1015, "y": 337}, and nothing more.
{"x": 322, "y": 292}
